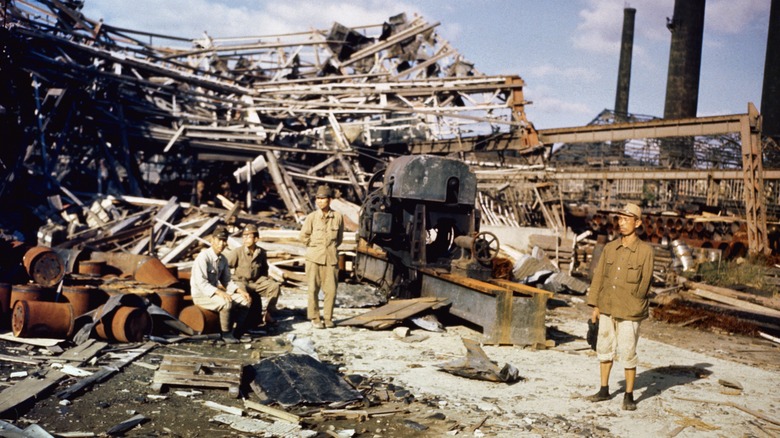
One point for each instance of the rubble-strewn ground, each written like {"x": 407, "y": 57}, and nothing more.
{"x": 676, "y": 363}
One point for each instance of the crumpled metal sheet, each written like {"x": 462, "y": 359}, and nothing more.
{"x": 477, "y": 365}
{"x": 293, "y": 379}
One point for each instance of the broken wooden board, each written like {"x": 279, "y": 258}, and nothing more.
{"x": 83, "y": 352}
{"x": 210, "y": 372}
{"x": 394, "y": 311}
{"x": 25, "y": 391}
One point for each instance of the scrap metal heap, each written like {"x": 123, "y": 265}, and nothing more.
{"x": 90, "y": 107}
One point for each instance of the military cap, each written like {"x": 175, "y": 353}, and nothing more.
{"x": 324, "y": 192}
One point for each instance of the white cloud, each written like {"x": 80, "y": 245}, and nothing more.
{"x": 730, "y": 17}
{"x": 572, "y": 73}
{"x": 221, "y": 18}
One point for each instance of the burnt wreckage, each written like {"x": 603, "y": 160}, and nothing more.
{"x": 90, "y": 107}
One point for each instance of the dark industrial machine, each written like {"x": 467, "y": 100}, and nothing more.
{"x": 419, "y": 228}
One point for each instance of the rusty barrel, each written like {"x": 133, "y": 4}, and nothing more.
{"x": 43, "y": 265}
{"x": 81, "y": 297}
{"x": 5, "y": 304}
{"x": 153, "y": 271}
{"x": 27, "y": 292}
{"x": 93, "y": 268}
{"x": 42, "y": 319}
{"x": 124, "y": 324}
{"x": 200, "y": 320}
{"x": 171, "y": 299}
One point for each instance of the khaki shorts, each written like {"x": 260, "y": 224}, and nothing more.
{"x": 617, "y": 341}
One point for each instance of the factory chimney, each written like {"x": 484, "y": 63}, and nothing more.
{"x": 770, "y": 95}
{"x": 682, "y": 81}
{"x": 624, "y": 67}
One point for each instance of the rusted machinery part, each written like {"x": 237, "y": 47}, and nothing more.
{"x": 43, "y": 265}
{"x": 171, "y": 299}
{"x": 93, "y": 268}
{"x": 81, "y": 297}
{"x": 27, "y": 292}
{"x": 485, "y": 248}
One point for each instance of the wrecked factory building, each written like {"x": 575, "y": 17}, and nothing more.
{"x": 126, "y": 149}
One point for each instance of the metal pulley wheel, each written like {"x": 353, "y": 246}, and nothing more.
{"x": 484, "y": 248}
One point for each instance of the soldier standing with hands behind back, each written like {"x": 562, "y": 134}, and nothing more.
{"x": 618, "y": 295}
{"x": 322, "y": 233}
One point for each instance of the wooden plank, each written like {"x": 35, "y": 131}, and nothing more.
{"x": 277, "y": 413}
{"x": 754, "y": 308}
{"x": 106, "y": 371}
{"x": 394, "y": 310}
{"x": 521, "y": 288}
{"x": 176, "y": 252}
{"x": 28, "y": 389}
{"x": 162, "y": 216}
{"x": 83, "y": 352}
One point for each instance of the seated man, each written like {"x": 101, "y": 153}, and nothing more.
{"x": 250, "y": 264}
{"x": 212, "y": 288}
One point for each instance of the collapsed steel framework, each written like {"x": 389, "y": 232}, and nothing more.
{"x": 325, "y": 105}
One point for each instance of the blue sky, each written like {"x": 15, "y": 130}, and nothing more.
{"x": 567, "y": 51}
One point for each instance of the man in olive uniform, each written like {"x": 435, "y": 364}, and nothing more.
{"x": 250, "y": 273}
{"x": 322, "y": 233}
{"x": 212, "y": 288}
{"x": 618, "y": 295}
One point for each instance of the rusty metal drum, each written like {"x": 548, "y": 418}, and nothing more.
{"x": 171, "y": 299}
{"x": 44, "y": 266}
{"x": 200, "y": 320}
{"x": 81, "y": 297}
{"x": 28, "y": 292}
{"x": 5, "y": 304}
{"x": 153, "y": 271}
{"x": 42, "y": 319}
{"x": 124, "y": 324}
{"x": 93, "y": 268}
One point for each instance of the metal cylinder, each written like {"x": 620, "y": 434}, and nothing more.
{"x": 171, "y": 299}
{"x": 92, "y": 267}
{"x": 5, "y": 304}
{"x": 42, "y": 319}
{"x": 81, "y": 297}
{"x": 200, "y": 320}
{"x": 43, "y": 265}
{"x": 153, "y": 271}
{"x": 124, "y": 324}
{"x": 27, "y": 292}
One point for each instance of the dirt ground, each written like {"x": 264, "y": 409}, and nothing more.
{"x": 682, "y": 385}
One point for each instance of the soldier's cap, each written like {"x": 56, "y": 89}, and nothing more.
{"x": 631, "y": 210}
{"x": 220, "y": 233}
{"x": 324, "y": 192}
{"x": 250, "y": 229}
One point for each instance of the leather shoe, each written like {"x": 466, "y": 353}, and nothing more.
{"x": 228, "y": 338}
{"x": 597, "y": 397}
{"x": 316, "y": 323}
{"x": 628, "y": 402}
{"x": 329, "y": 324}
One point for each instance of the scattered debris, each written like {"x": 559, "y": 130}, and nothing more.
{"x": 476, "y": 365}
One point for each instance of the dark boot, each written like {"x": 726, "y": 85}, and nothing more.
{"x": 628, "y": 402}
{"x": 228, "y": 338}
{"x": 602, "y": 395}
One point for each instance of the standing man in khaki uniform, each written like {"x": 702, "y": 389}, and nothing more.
{"x": 212, "y": 288}
{"x": 618, "y": 295}
{"x": 250, "y": 264}
{"x": 322, "y": 233}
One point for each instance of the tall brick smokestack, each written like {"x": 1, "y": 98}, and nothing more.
{"x": 682, "y": 81}
{"x": 624, "y": 67}
{"x": 770, "y": 94}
